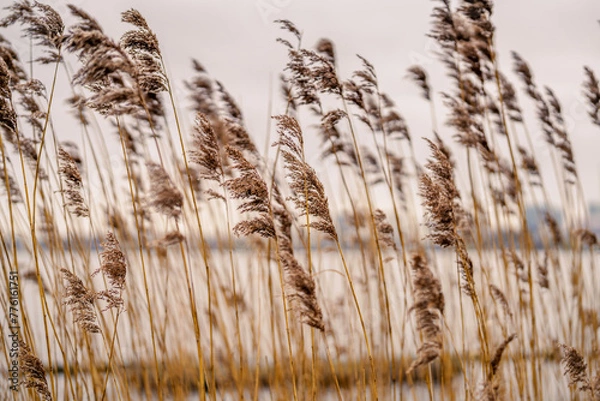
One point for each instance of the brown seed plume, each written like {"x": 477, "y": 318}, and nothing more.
{"x": 397, "y": 172}
{"x": 10, "y": 185}
{"x": 250, "y": 187}
{"x": 510, "y": 100}
{"x": 301, "y": 291}
{"x": 300, "y": 286}
{"x": 14, "y": 69}
{"x": 239, "y": 138}
{"x": 202, "y": 91}
{"x": 81, "y": 300}
{"x": 205, "y": 150}
{"x": 326, "y": 48}
{"x": 33, "y": 372}
{"x": 331, "y": 137}
{"x": 27, "y": 147}
{"x": 428, "y": 308}
{"x": 586, "y": 237}
{"x": 308, "y": 191}
{"x": 229, "y": 108}
{"x": 171, "y": 238}
{"x": 439, "y": 194}
{"x": 69, "y": 172}
{"x": 529, "y": 164}
{"x": 575, "y": 368}
{"x": 491, "y": 389}
{"x": 554, "y": 228}
{"x": 165, "y": 198}
{"x": 289, "y": 26}
{"x": 114, "y": 267}
{"x": 592, "y": 94}
{"x": 125, "y": 77}
{"x": 8, "y": 117}
{"x": 42, "y": 23}
{"x": 418, "y": 75}
{"x": 542, "y": 271}
{"x": 443, "y": 211}
{"x": 495, "y": 362}
{"x": 287, "y": 94}
{"x": 310, "y": 73}
{"x": 549, "y": 113}
{"x": 142, "y": 46}
{"x": 562, "y": 142}
{"x": 385, "y": 231}
{"x": 31, "y": 92}
{"x": 500, "y": 298}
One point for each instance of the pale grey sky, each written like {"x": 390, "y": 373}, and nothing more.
{"x": 235, "y": 40}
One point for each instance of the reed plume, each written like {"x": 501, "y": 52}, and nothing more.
{"x": 554, "y": 229}
{"x": 229, "y": 107}
{"x": 429, "y": 309}
{"x": 562, "y": 141}
{"x": 30, "y": 92}
{"x": 69, "y": 172}
{"x": 42, "y": 23}
{"x": 113, "y": 266}
{"x": 250, "y": 187}
{"x": 15, "y": 71}
{"x": 202, "y": 92}
{"x": 81, "y": 300}
{"x": 530, "y": 165}
{"x": 510, "y": 100}
{"x": 205, "y": 150}
{"x": 440, "y": 195}
{"x": 165, "y": 198}
{"x": 300, "y": 286}
{"x": 171, "y": 238}
{"x": 142, "y": 46}
{"x": 378, "y": 110}
{"x": 29, "y": 151}
{"x": 385, "y": 230}
{"x": 397, "y": 172}
{"x": 33, "y": 373}
{"x": 332, "y": 141}
{"x": 592, "y": 94}
{"x": 418, "y": 75}
{"x": 325, "y": 47}
{"x": 575, "y": 369}
{"x": 586, "y": 237}
{"x": 8, "y": 117}
{"x": 491, "y": 389}
{"x": 308, "y": 191}
{"x": 301, "y": 292}
{"x": 11, "y": 187}
{"x": 310, "y": 72}
{"x": 238, "y": 137}
{"x": 443, "y": 211}
{"x": 124, "y": 78}
{"x": 542, "y": 271}
{"x": 500, "y": 298}
{"x": 549, "y": 113}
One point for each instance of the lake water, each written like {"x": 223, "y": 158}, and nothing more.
{"x": 557, "y": 310}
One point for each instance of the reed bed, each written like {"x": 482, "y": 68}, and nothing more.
{"x": 162, "y": 255}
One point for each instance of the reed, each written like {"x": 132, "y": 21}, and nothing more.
{"x": 162, "y": 256}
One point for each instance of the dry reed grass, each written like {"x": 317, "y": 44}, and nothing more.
{"x": 195, "y": 267}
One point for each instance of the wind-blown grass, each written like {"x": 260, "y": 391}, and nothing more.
{"x": 153, "y": 262}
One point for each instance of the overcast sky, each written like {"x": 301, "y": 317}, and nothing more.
{"x": 235, "y": 41}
